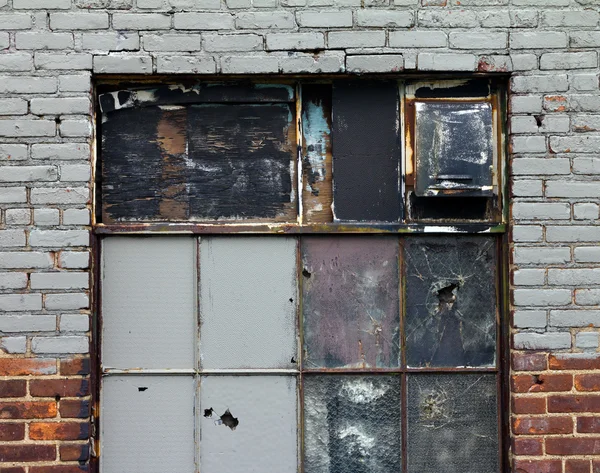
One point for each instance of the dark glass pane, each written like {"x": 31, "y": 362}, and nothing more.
{"x": 350, "y": 302}
{"x": 352, "y": 424}
{"x": 454, "y": 146}
{"x": 450, "y": 301}
{"x": 452, "y": 423}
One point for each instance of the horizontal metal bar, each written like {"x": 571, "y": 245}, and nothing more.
{"x": 187, "y": 372}
{"x": 295, "y": 229}
{"x": 248, "y": 372}
{"x": 147, "y": 371}
{"x": 371, "y": 371}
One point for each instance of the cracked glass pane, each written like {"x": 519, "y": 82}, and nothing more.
{"x": 452, "y": 423}
{"x": 350, "y": 302}
{"x": 352, "y": 424}
{"x": 450, "y": 301}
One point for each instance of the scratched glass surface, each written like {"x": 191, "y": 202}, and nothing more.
{"x": 452, "y": 423}
{"x": 454, "y": 145}
{"x": 352, "y": 424}
{"x": 450, "y": 316}
{"x": 350, "y": 302}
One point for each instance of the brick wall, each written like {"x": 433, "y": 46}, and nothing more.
{"x": 49, "y": 50}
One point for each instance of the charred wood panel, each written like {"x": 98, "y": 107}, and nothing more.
{"x": 317, "y": 195}
{"x": 366, "y": 151}
{"x": 201, "y": 162}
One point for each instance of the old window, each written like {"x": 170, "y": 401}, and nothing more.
{"x": 301, "y": 276}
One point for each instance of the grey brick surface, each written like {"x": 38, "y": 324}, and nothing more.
{"x": 61, "y": 152}
{"x": 122, "y": 64}
{"x": 542, "y": 341}
{"x": 381, "y": 63}
{"x": 74, "y": 259}
{"x": 186, "y": 64}
{"x": 64, "y": 345}
{"x": 575, "y": 318}
{"x": 66, "y": 301}
{"x": 530, "y": 319}
{"x": 13, "y": 344}
{"x": 586, "y": 340}
{"x": 295, "y": 41}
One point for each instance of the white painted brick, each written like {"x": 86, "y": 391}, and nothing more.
{"x": 75, "y": 128}
{"x": 74, "y": 323}
{"x": 545, "y": 83}
{"x": 10, "y": 152}
{"x": 15, "y": 21}
{"x": 203, "y": 21}
{"x": 324, "y": 19}
{"x": 529, "y": 277}
{"x": 44, "y": 40}
{"x": 529, "y": 319}
{"x": 27, "y": 85}
{"x": 59, "y": 238}
{"x": 74, "y": 259}
{"x": 13, "y": 280}
{"x": 542, "y": 297}
{"x": 572, "y": 233}
{"x": 21, "y": 128}
{"x": 62, "y": 61}
{"x": 446, "y": 62}
{"x": 295, "y": 41}
{"x": 586, "y": 340}
{"x": 575, "y": 318}
{"x": 375, "y": 63}
{"x": 542, "y": 255}
{"x": 249, "y": 64}
{"x": 527, "y": 188}
{"x": 508, "y": 19}
{"x": 547, "y": 166}
{"x": 308, "y": 63}
{"x": 528, "y": 144}
{"x": 13, "y": 195}
{"x": 27, "y": 323}
{"x": 265, "y": 20}
{"x": 19, "y": 302}
{"x": 60, "y": 106}
{"x": 79, "y": 21}
{"x": 4, "y": 40}
{"x": 585, "y": 39}
{"x": 527, "y": 233}
{"x": 418, "y": 39}
{"x": 587, "y": 296}
{"x": 60, "y": 195}
{"x": 233, "y": 42}
{"x": 574, "y": 277}
{"x": 18, "y": 216}
{"x": 585, "y": 102}
{"x": 585, "y": 211}
{"x": 25, "y": 260}
{"x": 66, "y": 301}
{"x": 75, "y": 83}
{"x": 75, "y": 172}
{"x": 61, "y": 151}
{"x": 586, "y": 166}
{"x": 384, "y": 18}
{"x": 474, "y": 40}
{"x": 112, "y": 41}
{"x": 14, "y": 62}
{"x": 65, "y": 280}
{"x": 28, "y": 173}
{"x": 574, "y": 144}
{"x": 13, "y": 344}
{"x": 76, "y": 217}
{"x": 123, "y": 64}
{"x": 584, "y": 82}
{"x": 572, "y": 189}
{"x": 102, "y": 4}
{"x": 587, "y": 254}
{"x": 441, "y": 19}
{"x": 570, "y": 18}
{"x": 172, "y": 42}
{"x": 141, "y": 21}
{"x": 542, "y": 341}
{"x": 13, "y": 107}
{"x": 186, "y": 64}
{"x": 538, "y": 39}
{"x": 355, "y": 39}
{"x": 46, "y": 217}
{"x": 60, "y": 345}
{"x": 41, "y": 4}
{"x": 524, "y": 62}
{"x": 583, "y": 60}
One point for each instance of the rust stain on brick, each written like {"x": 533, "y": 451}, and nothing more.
{"x": 26, "y": 366}
{"x": 27, "y": 410}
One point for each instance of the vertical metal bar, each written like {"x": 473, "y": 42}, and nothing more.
{"x": 300, "y": 356}
{"x": 197, "y": 359}
{"x": 403, "y": 376}
{"x": 299, "y": 137}
{"x": 95, "y": 349}
{"x": 503, "y": 350}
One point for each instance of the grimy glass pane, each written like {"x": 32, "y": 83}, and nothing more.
{"x": 248, "y": 424}
{"x": 148, "y": 302}
{"x": 452, "y": 423}
{"x": 147, "y": 424}
{"x": 450, "y": 315}
{"x": 454, "y": 146}
{"x": 248, "y": 302}
{"x": 352, "y": 424}
{"x": 350, "y": 303}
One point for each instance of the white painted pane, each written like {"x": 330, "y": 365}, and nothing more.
{"x": 148, "y": 424}
{"x": 265, "y": 437}
{"x": 248, "y": 302}
{"x": 148, "y": 302}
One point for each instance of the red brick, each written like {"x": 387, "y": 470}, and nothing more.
{"x": 538, "y": 466}
{"x": 574, "y": 362}
{"x": 526, "y": 383}
{"x": 27, "y": 410}
{"x": 71, "y": 409}
{"x": 59, "y": 430}
{"x": 529, "y": 362}
{"x": 12, "y": 469}
{"x": 577, "y": 466}
{"x": 573, "y": 445}
{"x": 595, "y": 466}
{"x": 528, "y": 405}
{"x": 527, "y": 446}
{"x": 542, "y": 425}
{"x": 587, "y": 382}
{"x": 74, "y": 452}
{"x": 60, "y": 469}
{"x": 13, "y": 388}
{"x": 12, "y": 432}
{"x": 59, "y": 387}
{"x": 27, "y": 453}
{"x": 75, "y": 366}
{"x": 588, "y": 425}
{"x": 26, "y": 366}
{"x": 570, "y": 403}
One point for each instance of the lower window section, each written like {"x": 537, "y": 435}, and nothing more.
{"x": 317, "y": 354}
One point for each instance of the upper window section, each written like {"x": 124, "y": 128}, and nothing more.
{"x": 341, "y": 152}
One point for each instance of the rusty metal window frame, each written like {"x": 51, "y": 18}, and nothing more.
{"x": 403, "y": 229}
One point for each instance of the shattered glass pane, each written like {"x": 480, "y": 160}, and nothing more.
{"x": 454, "y": 146}
{"x": 350, "y": 302}
{"x": 352, "y": 424}
{"x": 450, "y": 301}
{"x": 452, "y": 423}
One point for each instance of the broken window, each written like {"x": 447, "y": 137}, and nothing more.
{"x": 269, "y": 299}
